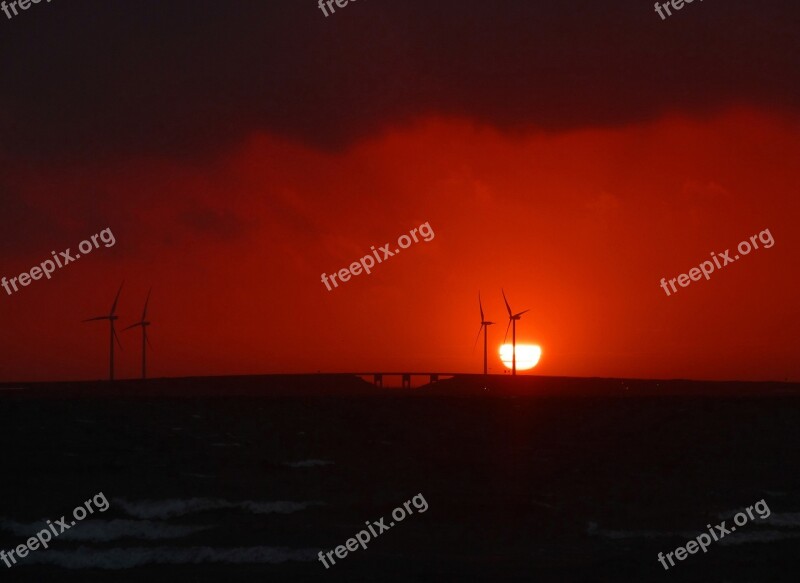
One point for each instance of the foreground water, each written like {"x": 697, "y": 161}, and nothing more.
{"x": 518, "y": 489}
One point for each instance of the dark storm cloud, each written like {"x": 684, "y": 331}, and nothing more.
{"x": 217, "y": 224}
{"x": 19, "y": 220}
{"x": 179, "y": 77}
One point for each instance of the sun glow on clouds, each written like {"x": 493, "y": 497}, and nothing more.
{"x": 527, "y": 355}
{"x": 273, "y": 211}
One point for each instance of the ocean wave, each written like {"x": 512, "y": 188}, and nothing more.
{"x": 106, "y": 530}
{"x": 171, "y": 508}
{"x": 784, "y": 519}
{"x": 309, "y": 463}
{"x": 737, "y": 537}
{"x": 593, "y": 530}
{"x": 772, "y": 493}
{"x": 774, "y": 519}
{"x": 128, "y": 558}
{"x": 757, "y": 536}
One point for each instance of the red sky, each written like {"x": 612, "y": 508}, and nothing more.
{"x": 571, "y": 154}
{"x": 578, "y": 226}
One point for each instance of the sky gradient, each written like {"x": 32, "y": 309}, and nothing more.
{"x": 573, "y": 156}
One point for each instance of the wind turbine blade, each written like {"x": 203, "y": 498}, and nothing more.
{"x": 147, "y": 301}
{"x": 522, "y": 313}
{"x": 481, "y": 306}
{"x": 132, "y": 326}
{"x": 116, "y": 299}
{"x": 96, "y": 319}
{"x": 507, "y": 327}
{"x": 147, "y": 339}
{"x": 506, "y": 301}
{"x": 478, "y": 337}
{"x": 117, "y": 339}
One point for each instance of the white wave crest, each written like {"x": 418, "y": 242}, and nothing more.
{"x": 106, "y": 530}
{"x": 128, "y": 558}
{"x": 758, "y": 536}
{"x": 784, "y": 519}
{"x": 171, "y": 508}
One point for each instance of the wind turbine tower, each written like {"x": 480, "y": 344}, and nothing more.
{"x": 145, "y": 340}
{"x": 112, "y": 316}
{"x": 512, "y": 321}
{"x": 485, "y": 328}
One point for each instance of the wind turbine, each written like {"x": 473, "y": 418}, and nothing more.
{"x": 512, "y": 321}
{"x": 112, "y": 316}
{"x": 145, "y": 340}
{"x": 485, "y": 327}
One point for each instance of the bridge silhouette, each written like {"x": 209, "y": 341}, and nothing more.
{"x": 433, "y": 377}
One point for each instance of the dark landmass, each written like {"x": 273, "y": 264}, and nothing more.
{"x": 348, "y": 384}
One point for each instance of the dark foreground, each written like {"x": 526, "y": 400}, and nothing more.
{"x": 584, "y": 487}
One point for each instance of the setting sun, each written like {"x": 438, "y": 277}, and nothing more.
{"x": 527, "y": 355}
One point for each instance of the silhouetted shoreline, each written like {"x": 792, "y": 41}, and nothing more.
{"x": 347, "y": 384}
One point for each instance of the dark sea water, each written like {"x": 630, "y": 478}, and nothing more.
{"x": 518, "y": 489}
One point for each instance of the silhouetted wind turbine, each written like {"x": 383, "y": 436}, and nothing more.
{"x": 485, "y": 327}
{"x": 145, "y": 340}
{"x": 112, "y": 316}
{"x": 512, "y": 321}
